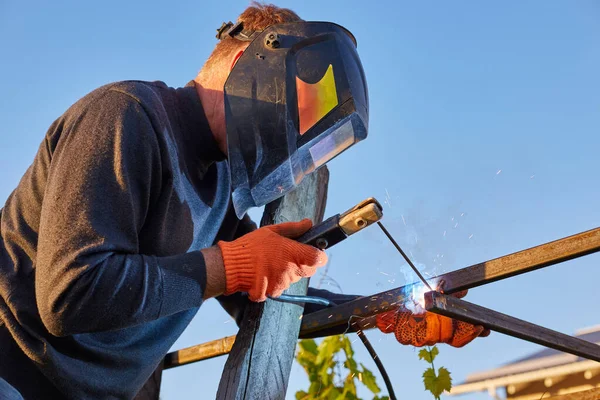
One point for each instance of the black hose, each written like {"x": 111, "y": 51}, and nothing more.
{"x": 290, "y": 298}
{"x": 382, "y": 371}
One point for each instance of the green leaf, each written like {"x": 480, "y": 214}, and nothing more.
{"x": 348, "y": 347}
{"x": 351, "y": 365}
{"x": 437, "y": 384}
{"x": 327, "y": 349}
{"x": 445, "y": 378}
{"x": 325, "y": 377}
{"x": 349, "y": 383}
{"x": 333, "y": 393}
{"x": 309, "y": 345}
{"x": 429, "y": 355}
{"x": 301, "y": 395}
{"x": 331, "y": 375}
{"x": 368, "y": 379}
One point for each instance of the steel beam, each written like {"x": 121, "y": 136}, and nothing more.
{"x": 504, "y": 267}
{"x": 468, "y": 312}
{"x": 483, "y": 273}
{"x": 199, "y": 352}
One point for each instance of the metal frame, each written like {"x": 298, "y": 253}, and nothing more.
{"x": 524, "y": 261}
{"x": 468, "y": 312}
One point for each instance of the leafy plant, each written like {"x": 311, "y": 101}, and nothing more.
{"x": 332, "y": 370}
{"x": 438, "y": 382}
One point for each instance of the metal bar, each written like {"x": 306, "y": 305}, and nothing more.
{"x": 592, "y": 394}
{"x": 199, "y": 352}
{"x": 483, "y": 273}
{"x": 468, "y": 312}
{"x": 547, "y": 254}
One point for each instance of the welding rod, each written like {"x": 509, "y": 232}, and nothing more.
{"x": 404, "y": 255}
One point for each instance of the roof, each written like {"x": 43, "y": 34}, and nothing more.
{"x": 539, "y": 365}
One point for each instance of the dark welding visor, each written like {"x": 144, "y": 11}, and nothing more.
{"x": 295, "y": 99}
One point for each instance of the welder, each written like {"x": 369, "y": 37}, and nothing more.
{"x": 134, "y": 210}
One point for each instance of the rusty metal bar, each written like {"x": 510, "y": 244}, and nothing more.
{"x": 468, "y": 312}
{"x": 504, "y": 267}
{"x": 199, "y": 352}
{"x": 483, "y": 273}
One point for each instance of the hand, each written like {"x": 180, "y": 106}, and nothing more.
{"x": 427, "y": 329}
{"x": 267, "y": 261}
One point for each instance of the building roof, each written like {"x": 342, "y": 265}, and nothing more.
{"x": 539, "y": 365}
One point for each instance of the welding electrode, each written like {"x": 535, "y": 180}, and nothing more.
{"x": 404, "y": 255}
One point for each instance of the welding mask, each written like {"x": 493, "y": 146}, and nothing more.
{"x": 295, "y": 99}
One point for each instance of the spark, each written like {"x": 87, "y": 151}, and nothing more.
{"x": 456, "y": 225}
{"x": 227, "y": 321}
{"x": 330, "y": 316}
{"x": 462, "y": 215}
{"x": 444, "y": 233}
{"x": 383, "y": 273}
{"x": 452, "y": 219}
{"x": 416, "y": 240}
{"x": 300, "y": 317}
{"x": 471, "y": 236}
{"x": 391, "y": 280}
{"x": 532, "y": 176}
{"x": 499, "y": 171}
{"x": 403, "y": 221}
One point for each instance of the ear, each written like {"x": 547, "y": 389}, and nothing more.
{"x": 236, "y": 58}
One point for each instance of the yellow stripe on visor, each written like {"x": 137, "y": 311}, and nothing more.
{"x": 315, "y": 100}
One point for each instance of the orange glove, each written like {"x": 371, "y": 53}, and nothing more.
{"x": 427, "y": 329}
{"x": 267, "y": 261}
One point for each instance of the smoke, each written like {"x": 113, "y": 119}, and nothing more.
{"x": 431, "y": 238}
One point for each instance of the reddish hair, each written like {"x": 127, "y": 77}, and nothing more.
{"x": 257, "y": 17}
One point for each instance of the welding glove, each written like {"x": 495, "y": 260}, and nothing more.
{"x": 427, "y": 328}
{"x": 267, "y": 261}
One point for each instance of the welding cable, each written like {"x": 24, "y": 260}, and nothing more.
{"x": 382, "y": 371}
{"x": 290, "y": 298}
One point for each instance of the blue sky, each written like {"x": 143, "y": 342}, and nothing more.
{"x": 482, "y": 114}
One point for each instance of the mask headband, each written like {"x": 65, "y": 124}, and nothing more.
{"x": 236, "y": 31}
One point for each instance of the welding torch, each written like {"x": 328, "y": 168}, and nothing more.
{"x": 332, "y": 231}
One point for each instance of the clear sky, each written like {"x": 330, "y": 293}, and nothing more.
{"x": 484, "y": 139}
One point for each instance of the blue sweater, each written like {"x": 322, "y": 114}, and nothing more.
{"x": 100, "y": 268}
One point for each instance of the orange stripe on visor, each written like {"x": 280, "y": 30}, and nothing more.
{"x": 315, "y": 100}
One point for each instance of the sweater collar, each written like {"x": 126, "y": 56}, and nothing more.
{"x": 196, "y": 131}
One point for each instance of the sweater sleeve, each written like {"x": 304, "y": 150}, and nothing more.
{"x": 104, "y": 175}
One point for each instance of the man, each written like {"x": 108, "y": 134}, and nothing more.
{"x": 133, "y": 211}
